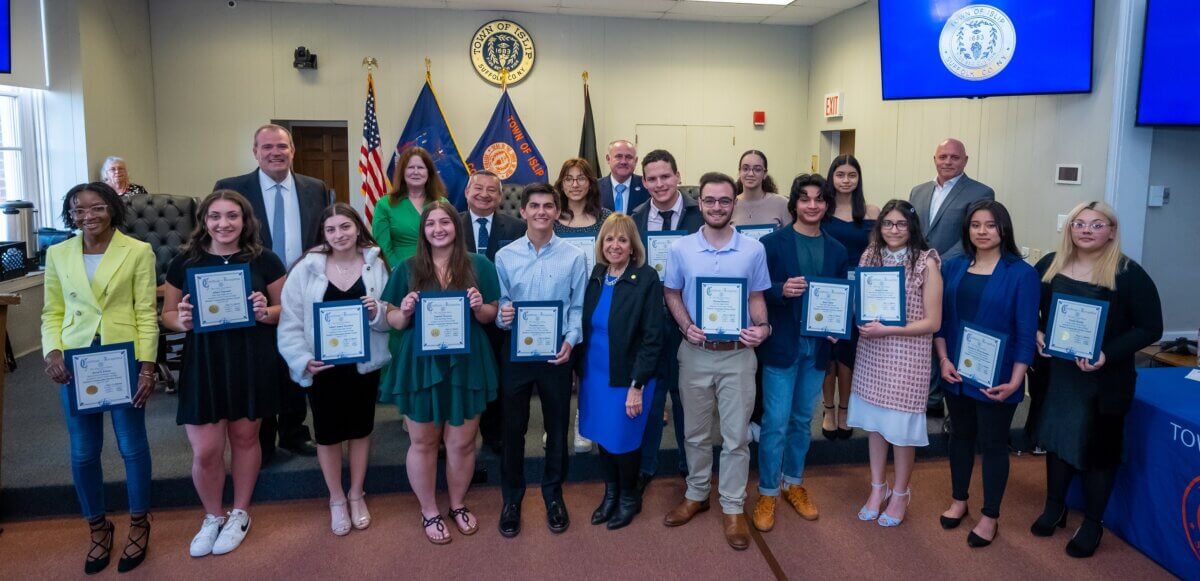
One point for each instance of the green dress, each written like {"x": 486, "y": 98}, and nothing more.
{"x": 441, "y": 388}
{"x": 396, "y": 228}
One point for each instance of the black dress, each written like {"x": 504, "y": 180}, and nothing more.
{"x": 342, "y": 400}
{"x": 232, "y": 374}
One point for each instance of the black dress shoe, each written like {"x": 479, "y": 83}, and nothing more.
{"x": 608, "y": 504}
{"x": 556, "y": 516}
{"x": 139, "y": 543}
{"x": 301, "y": 448}
{"x": 101, "y": 552}
{"x": 1086, "y": 540}
{"x": 952, "y": 523}
{"x": 630, "y": 505}
{"x": 1044, "y": 526}
{"x": 976, "y": 542}
{"x": 510, "y": 520}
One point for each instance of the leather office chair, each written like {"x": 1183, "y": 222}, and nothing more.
{"x": 692, "y": 192}
{"x": 165, "y": 222}
{"x": 510, "y": 200}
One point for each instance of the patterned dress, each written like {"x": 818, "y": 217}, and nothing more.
{"x": 891, "y": 374}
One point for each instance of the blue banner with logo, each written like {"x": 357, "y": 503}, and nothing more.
{"x": 427, "y": 128}
{"x": 507, "y": 150}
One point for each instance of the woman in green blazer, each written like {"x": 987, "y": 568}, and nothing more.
{"x": 100, "y": 289}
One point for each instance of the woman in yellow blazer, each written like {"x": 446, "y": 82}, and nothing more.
{"x": 100, "y": 286}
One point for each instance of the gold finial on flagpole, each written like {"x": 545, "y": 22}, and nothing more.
{"x": 428, "y": 75}
{"x": 504, "y": 79}
{"x": 585, "y": 77}
{"x": 371, "y": 63}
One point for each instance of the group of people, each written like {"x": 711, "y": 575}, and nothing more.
{"x": 630, "y": 338}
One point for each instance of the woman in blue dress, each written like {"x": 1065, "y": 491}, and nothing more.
{"x": 622, "y": 336}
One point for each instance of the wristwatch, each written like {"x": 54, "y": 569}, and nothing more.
{"x": 636, "y": 385}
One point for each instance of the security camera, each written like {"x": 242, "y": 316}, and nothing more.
{"x": 303, "y": 59}
{"x": 232, "y": 3}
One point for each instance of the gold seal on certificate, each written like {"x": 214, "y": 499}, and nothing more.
{"x": 538, "y": 325}
{"x": 341, "y": 331}
{"x": 825, "y": 305}
{"x": 221, "y": 297}
{"x": 724, "y": 301}
{"x": 443, "y": 323}
{"x": 881, "y": 295}
{"x": 980, "y": 352}
{"x": 1076, "y": 327}
{"x": 102, "y": 377}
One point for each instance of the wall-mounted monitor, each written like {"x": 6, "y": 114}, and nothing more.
{"x": 958, "y": 48}
{"x": 1169, "y": 92}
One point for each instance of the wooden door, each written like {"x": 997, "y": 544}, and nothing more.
{"x": 321, "y": 153}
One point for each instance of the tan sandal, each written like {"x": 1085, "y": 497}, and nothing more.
{"x": 441, "y": 528}
{"x": 463, "y": 512}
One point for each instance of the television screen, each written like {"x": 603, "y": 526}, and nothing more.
{"x": 1169, "y": 87}
{"x": 959, "y": 48}
{"x": 5, "y": 37}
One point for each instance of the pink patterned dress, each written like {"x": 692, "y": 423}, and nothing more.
{"x": 891, "y": 374}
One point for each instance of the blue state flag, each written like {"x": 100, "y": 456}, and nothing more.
{"x": 427, "y": 128}
{"x": 506, "y": 149}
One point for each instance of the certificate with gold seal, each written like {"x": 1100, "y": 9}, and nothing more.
{"x": 220, "y": 297}
{"x": 341, "y": 334}
{"x": 443, "y": 323}
{"x": 537, "y": 330}
{"x": 1076, "y": 327}
{"x": 658, "y": 248}
{"x": 980, "y": 355}
{"x": 102, "y": 377}
{"x": 721, "y": 305}
{"x": 881, "y": 295}
{"x": 825, "y": 306}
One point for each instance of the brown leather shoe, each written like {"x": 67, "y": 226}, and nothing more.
{"x": 683, "y": 513}
{"x": 737, "y": 533}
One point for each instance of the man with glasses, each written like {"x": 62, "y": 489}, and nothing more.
{"x": 621, "y": 190}
{"x": 717, "y": 375}
{"x": 942, "y": 206}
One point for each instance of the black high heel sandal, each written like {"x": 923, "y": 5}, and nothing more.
{"x": 829, "y": 434}
{"x": 846, "y": 433}
{"x": 140, "y": 544}
{"x": 101, "y": 552}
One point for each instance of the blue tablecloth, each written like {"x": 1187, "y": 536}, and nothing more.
{"x": 1156, "y": 503}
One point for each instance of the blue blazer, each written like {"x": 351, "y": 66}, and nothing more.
{"x": 1009, "y": 305}
{"x": 637, "y": 194}
{"x": 785, "y": 314}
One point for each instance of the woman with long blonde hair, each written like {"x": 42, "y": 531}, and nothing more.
{"x": 1088, "y": 400}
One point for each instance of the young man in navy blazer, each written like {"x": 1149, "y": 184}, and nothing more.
{"x": 621, "y": 190}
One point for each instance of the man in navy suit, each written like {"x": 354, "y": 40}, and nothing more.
{"x": 621, "y": 190}
{"x": 290, "y": 219}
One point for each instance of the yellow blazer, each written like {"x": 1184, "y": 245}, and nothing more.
{"x": 119, "y": 302}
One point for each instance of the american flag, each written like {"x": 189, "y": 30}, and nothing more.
{"x": 370, "y": 165}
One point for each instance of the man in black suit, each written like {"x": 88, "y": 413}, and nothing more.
{"x": 290, "y": 218}
{"x": 667, "y": 209}
{"x": 485, "y": 230}
{"x": 621, "y": 190}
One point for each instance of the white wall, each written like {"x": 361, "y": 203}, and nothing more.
{"x": 1013, "y": 142}
{"x": 1172, "y": 244}
{"x": 220, "y": 72}
{"x": 27, "y": 46}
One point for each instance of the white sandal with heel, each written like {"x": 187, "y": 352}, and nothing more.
{"x": 866, "y": 515}
{"x": 339, "y": 520}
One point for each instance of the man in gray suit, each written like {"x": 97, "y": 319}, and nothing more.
{"x": 942, "y": 206}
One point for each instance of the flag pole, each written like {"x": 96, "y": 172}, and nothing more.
{"x": 428, "y": 75}
{"x": 504, "y": 80}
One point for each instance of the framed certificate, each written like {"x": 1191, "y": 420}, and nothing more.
{"x": 658, "y": 248}
{"x": 826, "y": 308}
{"x": 756, "y": 231}
{"x": 721, "y": 305}
{"x": 537, "y": 331}
{"x": 102, "y": 377}
{"x": 586, "y": 243}
{"x": 220, "y": 297}
{"x": 443, "y": 323}
{"x": 341, "y": 332}
{"x": 980, "y": 355}
{"x": 1076, "y": 327}
{"x": 881, "y": 295}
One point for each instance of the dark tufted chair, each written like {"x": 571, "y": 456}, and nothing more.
{"x": 692, "y": 192}
{"x": 510, "y": 200}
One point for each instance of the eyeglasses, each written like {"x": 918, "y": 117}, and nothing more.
{"x": 1094, "y": 226}
{"x": 754, "y": 169}
{"x": 722, "y": 202}
{"x": 89, "y": 211}
{"x": 889, "y": 225}
{"x": 575, "y": 180}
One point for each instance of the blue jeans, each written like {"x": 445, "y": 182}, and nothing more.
{"x": 789, "y": 396}
{"x": 87, "y": 441}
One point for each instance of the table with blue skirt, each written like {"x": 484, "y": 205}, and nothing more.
{"x": 1155, "y": 505}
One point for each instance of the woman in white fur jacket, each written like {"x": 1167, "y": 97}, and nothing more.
{"x": 346, "y": 266}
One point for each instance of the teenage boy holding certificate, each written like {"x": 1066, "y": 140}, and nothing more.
{"x": 793, "y": 359}
{"x": 538, "y": 267}
{"x": 987, "y": 341}
{"x": 1086, "y": 400}
{"x": 711, "y": 276}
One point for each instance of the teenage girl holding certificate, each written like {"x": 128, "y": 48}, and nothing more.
{"x": 346, "y": 266}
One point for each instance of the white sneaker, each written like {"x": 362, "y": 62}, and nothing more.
{"x": 582, "y": 444}
{"x": 202, "y": 543}
{"x": 235, "y": 529}
{"x": 755, "y": 431}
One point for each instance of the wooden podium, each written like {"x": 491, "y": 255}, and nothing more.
{"x": 5, "y": 302}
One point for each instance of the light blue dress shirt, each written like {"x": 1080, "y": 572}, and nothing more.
{"x": 557, "y": 272}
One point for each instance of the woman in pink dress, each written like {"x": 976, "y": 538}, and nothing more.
{"x": 891, "y": 374}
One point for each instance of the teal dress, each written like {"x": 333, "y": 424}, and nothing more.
{"x": 441, "y": 388}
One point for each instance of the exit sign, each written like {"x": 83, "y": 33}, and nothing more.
{"x": 833, "y": 105}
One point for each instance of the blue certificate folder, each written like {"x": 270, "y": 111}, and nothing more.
{"x": 804, "y": 306}
{"x": 967, "y": 363}
{"x": 322, "y": 315}
{"x": 525, "y": 340}
{"x": 755, "y": 231}
{"x": 194, "y": 273}
{"x": 712, "y": 317}
{"x": 860, "y": 307}
{"x": 421, "y": 320}
{"x": 124, "y": 399}
{"x": 1060, "y": 307}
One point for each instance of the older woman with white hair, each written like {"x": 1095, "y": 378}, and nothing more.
{"x": 114, "y": 173}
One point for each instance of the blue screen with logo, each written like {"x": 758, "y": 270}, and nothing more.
{"x": 959, "y": 48}
{"x": 1169, "y": 85}
{"x": 5, "y": 37}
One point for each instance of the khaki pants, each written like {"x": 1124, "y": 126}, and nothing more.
{"x": 723, "y": 380}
